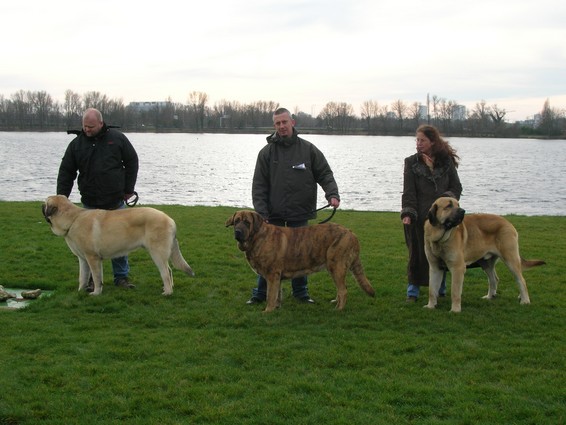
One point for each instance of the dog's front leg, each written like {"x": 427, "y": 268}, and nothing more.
{"x": 456, "y": 288}
{"x": 434, "y": 280}
{"x": 273, "y": 292}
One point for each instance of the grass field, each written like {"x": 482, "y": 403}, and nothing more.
{"x": 202, "y": 356}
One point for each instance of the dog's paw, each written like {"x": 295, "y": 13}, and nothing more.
{"x": 525, "y": 302}
{"x": 430, "y": 306}
{"x": 456, "y": 310}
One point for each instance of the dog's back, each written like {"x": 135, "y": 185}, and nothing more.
{"x": 495, "y": 235}
{"x": 329, "y": 245}
{"x": 117, "y": 232}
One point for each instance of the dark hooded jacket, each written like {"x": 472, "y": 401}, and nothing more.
{"x": 286, "y": 176}
{"x": 421, "y": 187}
{"x": 107, "y": 166}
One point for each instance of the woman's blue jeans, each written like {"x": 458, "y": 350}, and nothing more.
{"x": 413, "y": 290}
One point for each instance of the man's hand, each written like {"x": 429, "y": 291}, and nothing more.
{"x": 334, "y": 202}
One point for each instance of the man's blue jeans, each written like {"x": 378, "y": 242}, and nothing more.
{"x": 298, "y": 284}
{"x": 120, "y": 265}
{"x": 413, "y": 290}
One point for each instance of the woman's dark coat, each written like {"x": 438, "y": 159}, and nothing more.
{"x": 421, "y": 187}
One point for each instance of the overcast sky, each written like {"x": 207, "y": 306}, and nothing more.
{"x": 301, "y": 54}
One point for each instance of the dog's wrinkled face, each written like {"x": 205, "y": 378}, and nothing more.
{"x": 246, "y": 224}
{"x": 446, "y": 213}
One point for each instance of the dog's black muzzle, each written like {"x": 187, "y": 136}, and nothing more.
{"x": 455, "y": 219}
{"x": 239, "y": 235}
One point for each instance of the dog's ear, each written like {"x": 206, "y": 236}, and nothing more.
{"x": 257, "y": 221}
{"x": 48, "y": 211}
{"x": 432, "y": 215}
{"x": 230, "y": 221}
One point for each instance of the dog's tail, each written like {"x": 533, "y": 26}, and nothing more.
{"x": 358, "y": 272}
{"x": 177, "y": 258}
{"x": 527, "y": 264}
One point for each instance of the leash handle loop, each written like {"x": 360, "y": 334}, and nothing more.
{"x": 133, "y": 200}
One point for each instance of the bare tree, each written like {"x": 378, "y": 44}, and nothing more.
{"x": 370, "y": 112}
{"x": 549, "y": 122}
{"x": 479, "y": 117}
{"x": 22, "y": 108}
{"x": 337, "y": 116}
{"x": 41, "y": 106}
{"x": 260, "y": 113}
{"x": 399, "y": 108}
{"x": 72, "y": 107}
{"x": 414, "y": 112}
{"x": 97, "y": 100}
{"x": 303, "y": 119}
{"x": 497, "y": 116}
{"x": 197, "y": 102}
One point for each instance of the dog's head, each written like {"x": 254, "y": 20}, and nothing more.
{"x": 246, "y": 225}
{"x": 55, "y": 209}
{"x": 446, "y": 213}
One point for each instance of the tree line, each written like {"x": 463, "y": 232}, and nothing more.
{"x": 37, "y": 111}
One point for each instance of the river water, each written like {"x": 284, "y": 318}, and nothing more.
{"x": 500, "y": 176}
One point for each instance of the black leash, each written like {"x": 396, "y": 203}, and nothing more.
{"x": 327, "y": 219}
{"x": 315, "y": 211}
{"x": 133, "y": 200}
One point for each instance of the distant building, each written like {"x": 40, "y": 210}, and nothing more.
{"x": 423, "y": 112}
{"x": 459, "y": 112}
{"x": 148, "y": 106}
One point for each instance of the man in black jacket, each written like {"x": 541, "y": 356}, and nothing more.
{"x": 284, "y": 188}
{"x": 107, "y": 167}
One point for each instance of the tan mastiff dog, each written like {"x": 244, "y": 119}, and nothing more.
{"x": 284, "y": 253}
{"x": 93, "y": 235}
{"x": 455, "y": 241}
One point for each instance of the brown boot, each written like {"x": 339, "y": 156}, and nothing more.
{"x": 123, "y": 282}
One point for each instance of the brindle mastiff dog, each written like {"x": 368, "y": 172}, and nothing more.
{"x": 455, "y": 240}
{"x": 93, "y": 235}
{"x": 284, "y": 253}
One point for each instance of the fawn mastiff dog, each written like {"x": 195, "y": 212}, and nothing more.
{"x": 455, "y": 240}
{"x": 93, "y": 235}
{"x": 284, "y": 253}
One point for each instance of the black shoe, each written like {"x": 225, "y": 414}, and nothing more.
{"x": 90, "y": 285}
{"x": 254, "y": 300}
{"x": 411, "y": 299}
{"x": 123, "y": 282}
{"x": 306, "y": 299}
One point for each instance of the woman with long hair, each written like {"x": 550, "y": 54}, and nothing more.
{"x": 428, "y": 174}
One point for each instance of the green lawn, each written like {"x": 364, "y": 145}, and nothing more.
{"x": 202, "y": 356}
